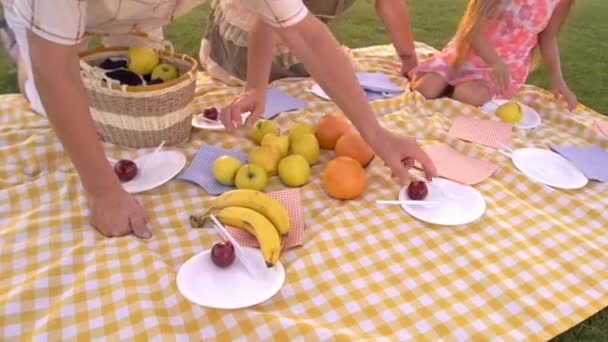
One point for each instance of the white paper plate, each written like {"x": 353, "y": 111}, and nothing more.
{"x": 548, "y": 167}
{"x": 457, "y": 204}
{"x": 201, "y": 122}
{"x": 155, "y": 171}
{"x": 530, "y": 118}
{"x": 203, "y": 283}
{"x": 317, "y": 90}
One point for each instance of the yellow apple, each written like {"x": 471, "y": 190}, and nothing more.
{"x": 509, "y": 112}
{"x": 294, "y": 170}
{"x": 299, "y": 128}
{"x": 142, "y": 59}
{"x": 306, "y": 145}
{"x": 279, "y": 142}
{"x": 252, "y": 177}
{"x": 224, "y": 169}
{"x": 261, "y": 128}
{"x": 165, "y": 72}
{"x": 267, "y": 157}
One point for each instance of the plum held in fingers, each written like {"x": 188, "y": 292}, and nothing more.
{"x": 125, "y": 170}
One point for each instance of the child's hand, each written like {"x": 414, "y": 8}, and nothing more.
{"x": 408, "y": 62}
{"x": 252, "y": 100}
{"x": 501, "y": 75}
{"x": 560, "y": 89}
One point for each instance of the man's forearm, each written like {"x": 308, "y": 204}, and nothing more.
{"x": 395, "y": 16}
{"x": 313, "y": 44}
{"x": 57, "y": 78}
{"x": 259, "y": 55}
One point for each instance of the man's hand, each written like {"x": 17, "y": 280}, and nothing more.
{"x": 116, "y": 213}
{"x": 399, "y": 153}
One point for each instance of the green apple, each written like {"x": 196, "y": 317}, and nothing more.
{"x": 279, "y": 142}
{"x": 267, "y": 157}
{"x": 165, "y": 72}
{"x": 224, "y": 169}
{"x": 306, "y": 145}
{"x": 142, "y": 59}
{"x": 299, "y": 128}
{"x": 294, "y": 170}
{"x": 252, "y": 177}
{"x": 261, "y": 128}
{"x": 509, "y": 112}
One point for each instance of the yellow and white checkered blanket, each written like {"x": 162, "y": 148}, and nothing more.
{"x": 534, "y": 265}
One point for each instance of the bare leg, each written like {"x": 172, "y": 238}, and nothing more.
{"x": 431, "y": 85}
{"x": 474, "y": 93}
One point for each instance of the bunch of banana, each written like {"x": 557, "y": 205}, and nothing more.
{"x": 253, "y": 211}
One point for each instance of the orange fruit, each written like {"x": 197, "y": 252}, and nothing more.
{"x": 343, "y": 178}
{"x": 352, "y": 145}
{"x": 329, "y": 128}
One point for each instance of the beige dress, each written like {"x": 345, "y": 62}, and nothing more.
{"x": 223, "y": 51}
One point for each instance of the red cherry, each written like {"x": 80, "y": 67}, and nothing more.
{"x": 125, "y": 170}
{"x": 417, "y": 190}
{"x": 211, "y": 113}
{"x": 222, "y": 254}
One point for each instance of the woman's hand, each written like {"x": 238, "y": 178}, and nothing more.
{"x": 560, "y": 89}
{"x": 251, "y": 100}
{"x": 501, "y": 75}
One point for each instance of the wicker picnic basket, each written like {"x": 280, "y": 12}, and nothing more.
{"x": 145, "y": 115}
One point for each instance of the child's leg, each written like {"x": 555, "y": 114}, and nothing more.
{"x": 430, "y": 84}
{"x": 475, "y": 93}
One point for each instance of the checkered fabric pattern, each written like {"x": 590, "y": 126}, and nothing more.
{"x": 533, "y": 266}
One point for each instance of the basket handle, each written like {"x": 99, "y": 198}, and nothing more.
{"x": 167, "y": 45}
{"x": 95, "y": 74}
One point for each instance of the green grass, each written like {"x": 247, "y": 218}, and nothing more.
{"x": 584, "y": 56}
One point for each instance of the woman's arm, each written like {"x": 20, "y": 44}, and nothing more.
{"x": 547, "y": 41}
{"x": 395, "y": 16}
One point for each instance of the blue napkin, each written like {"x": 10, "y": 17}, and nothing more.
{"x": 200, "y": 169}
{"x": 377, "y": 82}
{"x": 277, "y": 101}
{"x": 592, "y": 161}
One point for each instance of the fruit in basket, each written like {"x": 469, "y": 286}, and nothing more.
{"x": 165, "y": 72}
{"x": 307, "y": 146}
{"x": 352, "y": 145}
{"x": 211, "y": 113}
{"x": 260, "y": 129}
{"x": 125, "y": 170}
{"x": 417, "y": 190}
{"x": 259, "y": 201}
{"x": 224, "y": 169}
{"x": 299, "y": 128}
{"x": 267, "y": 157}
{"x": 343, "y": 178}
{"x": 125, "y": 77}
{"x": 294, "y": 170}
{"x": 509, "y": 112}
{"x": 329, "y": 128}
{"x": 250, "y": 176}
{"x": 222, "y": 254}
{"x": 278, "y": 142}
{"x": 257, "y": 225}
{"x": 142, "y": 59}
{"x": 113, "y": 63}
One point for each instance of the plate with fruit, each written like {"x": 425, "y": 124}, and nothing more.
{"x": 216, "y": 278}
{"x": 452, "y": 203}
{"x": 209, "y": 119}
{"x": 513, "y": 112}
{"x": 149, "y": 171}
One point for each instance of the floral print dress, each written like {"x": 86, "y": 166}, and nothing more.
{"x": 513, "y": 32}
